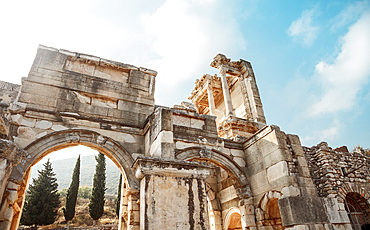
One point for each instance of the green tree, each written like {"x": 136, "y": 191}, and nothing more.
{"x": 118, "y": 200}
{"x": 42, "y": 199}
{"x": 69, "y": 209}
{"x": 84, "y": 192}
{"x": 96, "y": 205}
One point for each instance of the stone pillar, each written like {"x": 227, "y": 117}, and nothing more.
{"x": 211, "y": 100}
{"x": 247, "y": 213}
{"x": 172, "y": 194}
{"x": 133, "y": 209}
{"x": 225, "y": 90}
{"x": 215, "y": 220}
{"x": 123, "y": 213}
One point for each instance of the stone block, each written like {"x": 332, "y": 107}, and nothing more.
{"x": 58, "y": 127}
{"x": 341, "y": 207}
{"x": 26, "y": 132}
{"x": 43, "y": 124}
{"x": 52, "y": 59}
{"x": 293, "y": 213}
{"x": 49, "y": 102}
{"x": 259, "y": 179}
{"x": 196, "y": 123}
{"x": 134, "y": 107}
{"x": 22, "y": 142}
{"x": 277, "y": 171}
{"x": 290, "y": 191}
{"x": 12, "y": 196}
{"x": 331, "y": 205}
{"x": 12, "y": 186}
{"x": 5, "y": 224}
{"x": 128, "y": 138}
{"x": 104, "y": 103}
{"x": 301, "y": 227}
{"x": 181, "y": 120}
{"x": 39, "y": 135}
{"x": 249, "y": 220}
{"x": 240, "y": 161}
{"x": 237, "y": 153}
{"x": 302, "y": 161}
{"x": 20, "y": 120}
{"x": 344, "y": 217}
{"x": 183, "y": 145}
{"x": 227, "y": 194}
{"x": 8, "y": 214}
{"x": 297, "y": 149}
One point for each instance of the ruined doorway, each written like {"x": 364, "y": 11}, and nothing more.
{"x": 355, "y": 212}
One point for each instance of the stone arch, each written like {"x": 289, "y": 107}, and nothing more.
{"x": 225, "y": 163}
{"x": 267, "y": 212}
{"x": 233, "y": 219}
{"x": 69, "y": 138}
{"x": 355, "y": 205}
{"x": 217, "y": 158}
{"x": 359, "y": 193}
{"x": 41, "y": 147}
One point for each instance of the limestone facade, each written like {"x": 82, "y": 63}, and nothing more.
{"x": 211, "y": 164}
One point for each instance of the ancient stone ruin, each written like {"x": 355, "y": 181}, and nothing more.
{"x": 211, "y": 164}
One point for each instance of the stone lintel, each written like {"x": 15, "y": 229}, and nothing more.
{"x": 169, "y": 167}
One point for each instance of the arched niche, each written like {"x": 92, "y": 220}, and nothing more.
{"x": 226, "y": 164}
{"x": 216, "y": 158}
{"x": 233, "y": 220}
{"x": 268, "y": 212}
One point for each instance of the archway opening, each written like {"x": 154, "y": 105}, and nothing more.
{"x": 353, "y": 203}
{"x": 63, "y": 162}
{"x": 61, "y": 140}
{"x": 224, "y": 186}
{"x": 235, "y": 222}
{"x": 272, "y": 215}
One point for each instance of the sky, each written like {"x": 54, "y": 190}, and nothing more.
{"x": 311, "y": 59}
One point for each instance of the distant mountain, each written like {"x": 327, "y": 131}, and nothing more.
{"x": 64, "y": 168}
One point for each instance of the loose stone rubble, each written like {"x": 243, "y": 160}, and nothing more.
{"x": 213, "y": 163}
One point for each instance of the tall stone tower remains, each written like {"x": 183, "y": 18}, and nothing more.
{"x": 213, "y": 163}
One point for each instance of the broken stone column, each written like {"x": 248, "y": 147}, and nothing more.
{"x": 172, "y": 194}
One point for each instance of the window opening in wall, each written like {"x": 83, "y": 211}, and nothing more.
{"x": 355, "y": 213}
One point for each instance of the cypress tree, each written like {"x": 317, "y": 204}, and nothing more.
{"x": 42, "y": 199}
{"x": 118, "y": 200}
{"x": 69, "y": 209}
{"x": 96, "y": 205}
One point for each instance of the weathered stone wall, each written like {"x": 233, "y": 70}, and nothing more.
{"x": 340, "y": 174}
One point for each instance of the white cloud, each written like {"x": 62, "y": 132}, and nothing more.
{"x": 302, "y": 30}
{"x": 332, "y": 132}
{"x": 342, "y": 80}
{"x": 187, "y": 35}
{"x": 349, "y": 14}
